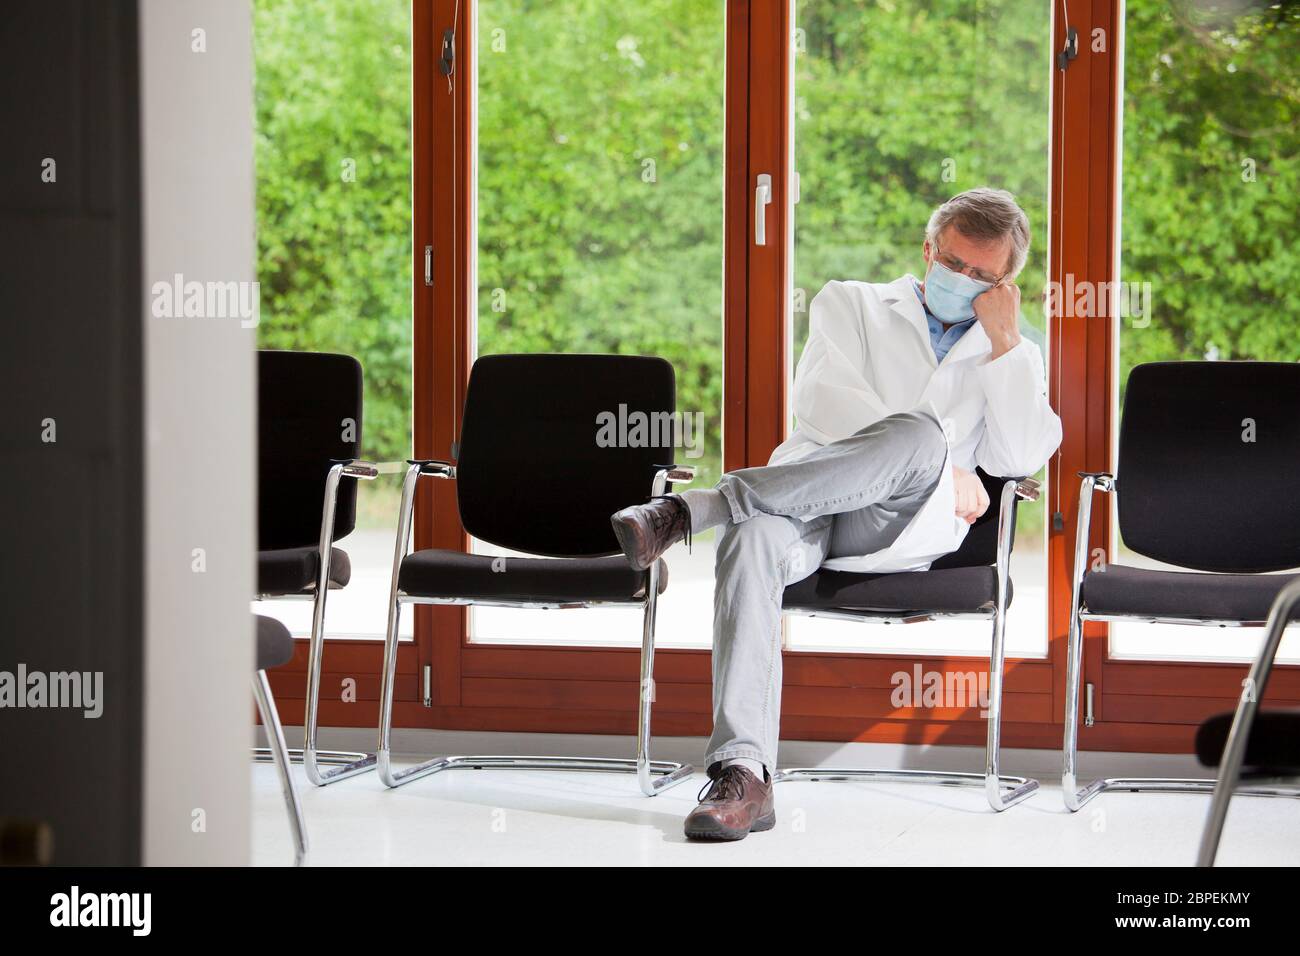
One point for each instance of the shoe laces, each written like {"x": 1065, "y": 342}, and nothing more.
{"x": 728, "y": 785}
{"x": 681, "y": 516}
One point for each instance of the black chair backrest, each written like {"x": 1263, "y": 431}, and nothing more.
{"x": 305, "y": 402}
{"x": 536, "y": 472}
{"x": 1208, "y": 475}
{"x": 980, "y": 546}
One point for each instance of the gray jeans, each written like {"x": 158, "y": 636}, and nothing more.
{"x": 858, "y": 495}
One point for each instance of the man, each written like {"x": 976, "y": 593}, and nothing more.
{"x": 903, "y": 389}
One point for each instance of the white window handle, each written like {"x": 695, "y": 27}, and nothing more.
{"x": 762, "y": 197}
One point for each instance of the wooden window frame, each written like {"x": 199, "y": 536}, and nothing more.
{"x": 1153, "y": 706}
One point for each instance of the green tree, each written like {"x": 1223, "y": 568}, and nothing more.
{"x": 600, "y": 163}
{"x": 600, "y": 171}
{"x": 333, "y": 156}
{"x": 901, "y": 105}
{"x": 1210, "y": 179}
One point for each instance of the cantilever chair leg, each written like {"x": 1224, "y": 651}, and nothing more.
{"x": 353, "y": 763}
{"x": 343, "y": 764}
{"x": 653, "y": 776}
{"x": 278, "y": 752}
{"x": 1234, "y": 753}
{"x": 1076, "y": 796}
{"x": 1001, "y": 791}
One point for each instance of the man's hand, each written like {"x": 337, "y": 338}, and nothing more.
{"x": 972, "y": 499}
{"x": 998, "y": 311}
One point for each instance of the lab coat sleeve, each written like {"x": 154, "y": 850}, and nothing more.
{"x": 1021, "y": 431}
{"x": 832, "y": 396}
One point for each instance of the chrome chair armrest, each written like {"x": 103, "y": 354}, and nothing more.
{"x": 1092, "y": 481}
{"x": 416, "y": 468}
{"x": 1028, "y": 489}
{"x": 1075, "y": 797}
{"x": 666, "y": 473}
{"x": 367, "y": 470}
{"x": 1101, "y": 480}
{"x": 432, "y": 467}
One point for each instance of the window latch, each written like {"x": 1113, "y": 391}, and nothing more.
{"x": 447, "y": 59}
{"x": 1070, "y": 50}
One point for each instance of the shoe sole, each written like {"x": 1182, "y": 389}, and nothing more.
{"x": 709, "y": 829}
{"x": 627, "y": 540}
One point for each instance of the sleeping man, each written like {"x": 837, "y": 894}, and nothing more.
{"x": 904, "y": 388}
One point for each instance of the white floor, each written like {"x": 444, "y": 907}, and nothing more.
{"x": 469, "y": 817}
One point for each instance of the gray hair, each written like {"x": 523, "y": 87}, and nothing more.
{"x": 985, "y": 215}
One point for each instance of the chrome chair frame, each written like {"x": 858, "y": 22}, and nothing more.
{"x": 1234, "y": 752}
{"x": 1001, "y": 790}
{"x": 278, "y": 753}
{"x": 343, "y": 764}
{"x": 653, "y": 776}
{"x": 1075, "y": 796}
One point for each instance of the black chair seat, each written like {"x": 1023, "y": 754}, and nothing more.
{"x": 274, "y": 643}
{"x": 436, "y": 573}
{"x": 950, "y": 590}
{"x": 294, "y": 570}
{"x": 1274, "y": 743}
{"x": 1181, "y": 594}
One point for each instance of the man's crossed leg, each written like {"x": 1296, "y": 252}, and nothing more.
{"x": 778, "y": 524}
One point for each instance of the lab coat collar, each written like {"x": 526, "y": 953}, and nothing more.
{"x": 900, "y": 296}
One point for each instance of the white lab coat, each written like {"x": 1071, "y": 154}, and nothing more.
{"x": 869, "y": 355}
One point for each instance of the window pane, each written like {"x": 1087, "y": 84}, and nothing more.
{"x": 333, "y": 84}
{"x": 1210, "y": 179}
{"x": 600, "y": 152}
{"x": 898, "y": 107}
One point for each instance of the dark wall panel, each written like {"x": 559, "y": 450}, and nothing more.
{"x": 71, "y": 555}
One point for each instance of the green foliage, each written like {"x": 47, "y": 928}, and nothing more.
{"x": 600, "y": 161}
{"x": 1209, "y": 94}
{"x": 901, "y": 105}
{"x": 334, "y": 257}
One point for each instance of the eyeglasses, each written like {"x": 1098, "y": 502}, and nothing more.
{"x": 956, "y": 265}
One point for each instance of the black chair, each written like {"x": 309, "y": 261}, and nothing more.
{"x": 971, "y": 583}
{"x": 534, "y": 476}
{"x": 309, "y": 434}
{"x": 1207, "y": 457}
{"x": 275, "y": 647}
{"x": 1266, "y": 744}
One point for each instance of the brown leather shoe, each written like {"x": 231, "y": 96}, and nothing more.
{"x": 737, "y": 804}
{"x": 646, "y": 531}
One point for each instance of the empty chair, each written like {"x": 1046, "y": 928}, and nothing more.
{"x": 275, "y": 647}
{"x": 308, "y": 437}
{"x": 1207, "y": 456}
{"x": 971, "y": 583}
{"x": 532, "y": 476}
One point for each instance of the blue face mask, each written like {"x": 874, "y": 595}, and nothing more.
{"x": 950, "y": 295}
